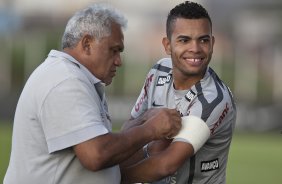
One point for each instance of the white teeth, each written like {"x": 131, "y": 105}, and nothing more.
{"x": 194, "y": 60}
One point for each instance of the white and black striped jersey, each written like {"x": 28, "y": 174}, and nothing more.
{"x": 209, "y": 99}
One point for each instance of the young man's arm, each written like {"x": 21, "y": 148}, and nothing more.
{"x": 187, "y": 142}
{"x": 160, "y": 165}
{"x": 152, "y": 148}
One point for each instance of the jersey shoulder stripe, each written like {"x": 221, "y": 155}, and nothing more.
{"x": 215, "y": 76}
{"x": 208, "y": 107}
{"x": 163, "y": 65}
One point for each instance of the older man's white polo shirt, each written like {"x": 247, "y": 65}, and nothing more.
{"x": 73, "y": 109}
{"x": 58, "y": 108}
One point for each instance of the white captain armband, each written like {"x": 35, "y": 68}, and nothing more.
{"x": 194, "y": 131}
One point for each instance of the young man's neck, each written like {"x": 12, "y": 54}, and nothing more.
{"x": 182, "y": 82}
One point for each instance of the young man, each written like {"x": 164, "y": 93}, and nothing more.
{"x": 62, "y": 128}
{"x": 198, "y": 154}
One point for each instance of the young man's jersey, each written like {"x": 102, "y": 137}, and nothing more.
{"x": 209, "y": 99}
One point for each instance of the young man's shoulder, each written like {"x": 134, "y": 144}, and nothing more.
{"x": 165, "y": 62}
{"x": 164, "y": 65}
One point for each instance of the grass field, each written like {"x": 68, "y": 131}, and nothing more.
{"x": 254, "y": 158}
{"x": 5, "y": 147}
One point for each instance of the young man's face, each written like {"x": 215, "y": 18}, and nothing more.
{"x": 105, "y": 55}
{"x": 190, "y": 47}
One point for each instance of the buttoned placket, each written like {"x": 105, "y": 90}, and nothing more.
{"x": 104, "y": 107}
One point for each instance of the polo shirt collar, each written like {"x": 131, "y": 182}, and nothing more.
{"x": 89, "y": 75}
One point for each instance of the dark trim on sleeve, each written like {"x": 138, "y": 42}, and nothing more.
{"x": 162, "y": 68}
{"x": 191, "y": 170}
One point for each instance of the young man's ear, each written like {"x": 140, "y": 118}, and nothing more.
{"x": 166, "y": 44}
{"x": 86, "y": 43}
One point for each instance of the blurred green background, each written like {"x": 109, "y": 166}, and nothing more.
{"x": 247, "y": 56}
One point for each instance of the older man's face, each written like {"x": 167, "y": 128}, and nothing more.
{"x": 105, "y": 55}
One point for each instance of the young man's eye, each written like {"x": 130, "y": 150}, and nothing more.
{"x": 205, "y": 40}
{"x": 183, "y": 40}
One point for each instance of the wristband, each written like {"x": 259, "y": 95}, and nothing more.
{"x": 145, "y": 151}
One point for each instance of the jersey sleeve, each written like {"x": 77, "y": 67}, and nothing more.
{"x": 213, "y": 114}
{"x": 71, "y": 114}
{"x": 141, "y": 104}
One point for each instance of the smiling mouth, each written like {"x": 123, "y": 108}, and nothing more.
{"x": 194, "y": 61}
